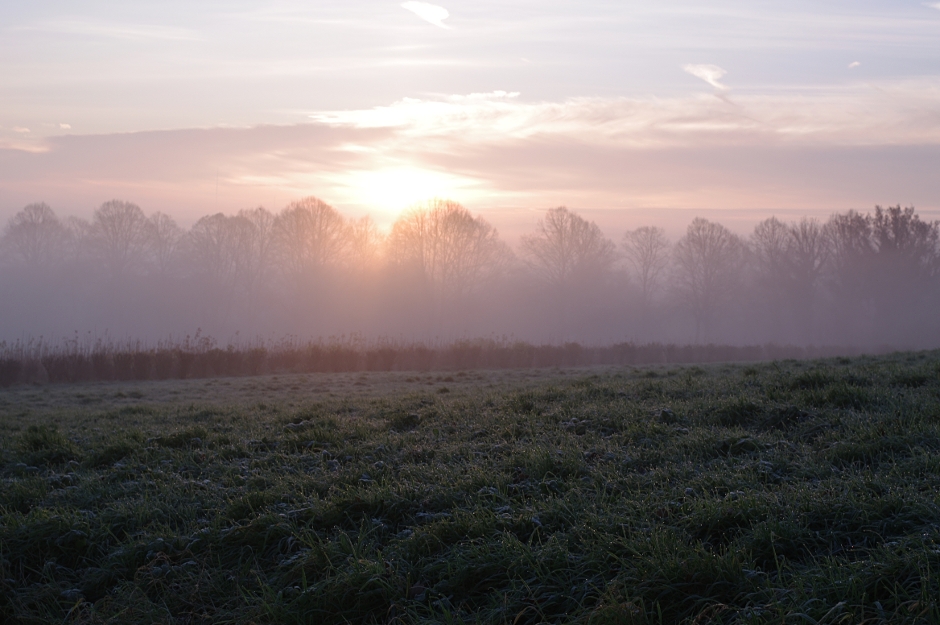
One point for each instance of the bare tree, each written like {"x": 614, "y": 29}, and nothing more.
{"x": 770, "y": 246}
{"x": 163, "y": 240}
{"x": 256, "y": 243}
{"x": 808, "y": 254}
{"x": 706, "y": 260}
{"x": 310, "y": 236}
{"x": 566, "y": 246}
{"x": 849, "y": 278}
{"x": 852, "y": 247}
{"x": 789, "y": 260}
{"x": 883, "y": 271}
{"x": 808, "y": 251}
{"x": 573, "y": 259}
{"x": 35, "y": 235}
{"x": 647, "y": 249}
{"x": 770, "y": 243}
{"x": 453, "y": 250}
{"x": 365, "y": 244}
{"x": 905, "y": 243}
{"x": 212, "y": 248}
{"x": 905, "y": 272}
{"x": 119, "y": 233}
{"x": 78, "y": 235}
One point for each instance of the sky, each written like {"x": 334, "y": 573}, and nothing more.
{"x": 630, "y": 112}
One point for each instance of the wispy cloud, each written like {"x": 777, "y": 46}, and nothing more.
{"x": 932, "y": 5}
{"x": 21, "y": 130}
{"x": 854, "y": 64}
{"x": 65, "y": 126}
{"x": 899, "y": 113}
{"x": 428, "y": 12}
{"x": 709, "y": 73}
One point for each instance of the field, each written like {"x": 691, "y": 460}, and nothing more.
{"x": 783, "y": 492}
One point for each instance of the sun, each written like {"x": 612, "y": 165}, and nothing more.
{"x": 394, "y": 189}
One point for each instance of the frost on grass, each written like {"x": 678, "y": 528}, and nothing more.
{"x": 733, "y": 494}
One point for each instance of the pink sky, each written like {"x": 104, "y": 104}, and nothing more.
{"x": 628, "y": 114}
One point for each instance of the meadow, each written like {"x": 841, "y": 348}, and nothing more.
{"x": 777, "y": 492}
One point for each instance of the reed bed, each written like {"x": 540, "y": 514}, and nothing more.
{"x": 39, "y": 362}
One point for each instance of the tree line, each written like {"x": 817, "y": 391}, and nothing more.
{"x": 442, "y": 272}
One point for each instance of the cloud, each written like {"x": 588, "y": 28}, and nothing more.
{"x": 854, "y": 64}
{"x": 932, "y": 5}
{"x": 428, "y": 12}
{"x": 21, "y": 130}
{"x": 890, "y": 113}
{"x": 65, "y": 126}
{"x": 709, "y": 73}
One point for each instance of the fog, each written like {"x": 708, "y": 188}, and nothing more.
{"x": 442, "y": 273}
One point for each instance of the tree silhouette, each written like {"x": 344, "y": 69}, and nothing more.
{"x": 788, "y": 262}
{"x": 571, "y": 256}
{"x": 35, "y": 236}
{"x": 906, "y": 266}
{"x": 849, "y": 278}
{"x": 808, "y": 255}
{"x": 648, "y": 252}
{"x": 223, "y": 255}
{"x": 860, "y": 279}
{"x": 365, "y": 245}
{"x": 255, "y": 233}
{"x": 706, "y": 260}
{"x": 770, "y": 245}
{"x": 310, "y": 235}
{"x": 885, "y": 269}
{"x": 119, "y": 233}
{"x": 213, "y": 245}
{"x": 905, "y": 244}
{"x": 566, "y": 247}
{"x": 451, "y": 250}
{"x": 852, "y": 246}
{"x": 163, "y": 241}
{"x": 77, "y": 240}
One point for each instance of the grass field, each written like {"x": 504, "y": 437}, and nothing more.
{"x": 787, "y": 492}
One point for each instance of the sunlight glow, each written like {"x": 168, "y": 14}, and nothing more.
{"x": 392, "y": 190}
